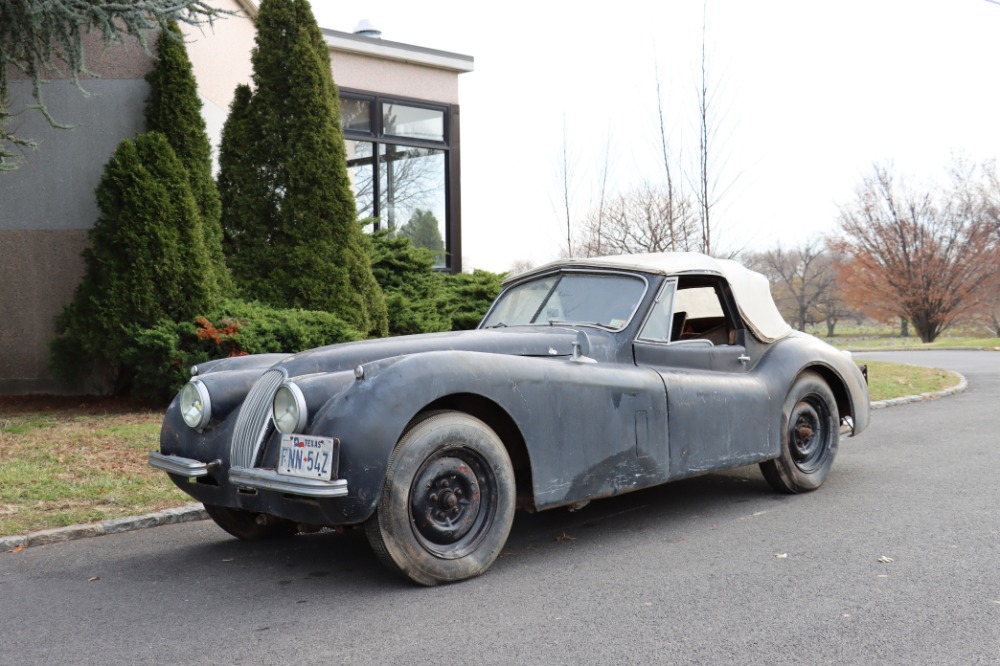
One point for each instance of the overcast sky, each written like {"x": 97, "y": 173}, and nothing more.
{"x": 810, "y": 95}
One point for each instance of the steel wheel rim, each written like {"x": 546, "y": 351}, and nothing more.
{"x": 809, "y": 434}
{"x": 452, "y": 502}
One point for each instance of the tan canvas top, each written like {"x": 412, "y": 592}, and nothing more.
{"x": 751, "y": 289}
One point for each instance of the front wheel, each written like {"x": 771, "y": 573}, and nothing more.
{"x": 250, "y": 526}
{"x": 810, "y": 430}
{"x": 448, "y": 502}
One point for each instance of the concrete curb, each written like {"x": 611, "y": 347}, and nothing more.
{"x": 181, "y": 514}
{"x": 192, "y": 512}
{"x": 960, "y": 387}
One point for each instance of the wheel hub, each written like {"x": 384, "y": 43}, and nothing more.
{"x": 446, "y": 501}
{"x": 807, "y": 435}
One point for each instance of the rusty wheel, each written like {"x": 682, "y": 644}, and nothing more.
{"x": 448, "y": 501}
{"x": 810, "y": 433}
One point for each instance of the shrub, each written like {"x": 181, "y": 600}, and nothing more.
{"x": 161, "y": 355}
{"x": 414, "y": 292}
{"x": 470, "y": 296}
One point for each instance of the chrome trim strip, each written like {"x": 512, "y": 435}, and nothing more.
{"x": 177, "y": 465}
{"x": 254, "y": 419}
{"x": 268, "y": 479}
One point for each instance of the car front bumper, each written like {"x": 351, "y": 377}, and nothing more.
{"x": 252, "y": 478}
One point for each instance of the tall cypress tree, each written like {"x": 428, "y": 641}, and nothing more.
{"x": 146, "y": 262}
{"x": 173, "y": 108}
{"x": 297, "y": 242}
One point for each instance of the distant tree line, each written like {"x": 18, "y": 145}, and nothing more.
{"x": 927, "y": 256}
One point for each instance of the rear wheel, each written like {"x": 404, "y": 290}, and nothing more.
{"x": 810, "y": 431}
{"x": 448, "y": 502}
{"x": 250, "y": 526}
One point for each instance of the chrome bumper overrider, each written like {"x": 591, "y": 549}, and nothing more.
{"x": 264, "y": 479}
{"x": 177, "y": 465}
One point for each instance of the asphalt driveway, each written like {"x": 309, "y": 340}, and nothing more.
{"x": 896, "y": 560}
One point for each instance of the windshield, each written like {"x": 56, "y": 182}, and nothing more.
{"x": 573, "y": 298}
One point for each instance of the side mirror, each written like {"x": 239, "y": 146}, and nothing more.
{"x": 581, "y": 348}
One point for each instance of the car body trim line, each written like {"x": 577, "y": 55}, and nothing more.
{"x": 178, "y": 465}
{"x": 268, "y": 479}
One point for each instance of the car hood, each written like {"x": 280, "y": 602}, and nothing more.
{"x": 518, "y": 341}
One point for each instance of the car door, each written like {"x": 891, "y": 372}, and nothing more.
{"x": 717, "y": 406}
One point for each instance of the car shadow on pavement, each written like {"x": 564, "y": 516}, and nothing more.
{"x": 342, "y": 561}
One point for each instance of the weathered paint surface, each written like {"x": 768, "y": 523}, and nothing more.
{"x": 626, "y": 416}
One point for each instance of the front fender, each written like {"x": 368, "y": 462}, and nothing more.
{"x": 574, "y": 418}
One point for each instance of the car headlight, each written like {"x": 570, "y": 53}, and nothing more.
{"x": 196, "y": 405}
{"x": 289, "y": 409}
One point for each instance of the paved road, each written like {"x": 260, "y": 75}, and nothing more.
{"x": 684, "y": 574}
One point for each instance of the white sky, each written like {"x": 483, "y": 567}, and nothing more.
{"x": 813, "y": 93}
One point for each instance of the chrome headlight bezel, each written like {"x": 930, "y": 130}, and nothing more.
{"x": 195, "y": 404}
{"x": 291, "y": 416}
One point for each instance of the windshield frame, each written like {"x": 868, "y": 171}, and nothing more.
{"x": 559, "y": 273}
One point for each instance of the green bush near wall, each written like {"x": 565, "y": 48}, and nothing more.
{"x": 162, "y": 355}
{"x": 146, "y": 262}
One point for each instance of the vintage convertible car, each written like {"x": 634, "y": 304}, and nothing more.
{"x": 586, "y": 379}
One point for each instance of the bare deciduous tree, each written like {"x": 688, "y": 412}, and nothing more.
{"x": 647, "y": 219}
{"x": 925, "y": 254}
{"x": 801, "y": 278}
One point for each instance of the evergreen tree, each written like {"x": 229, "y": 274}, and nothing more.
{"x": 146, "y": 262}
{"x": 295, "y": 241}
{"x": 424, "y": 231}
{"x": 414, "y": 291}
{"x": 173, "y": 108}
{"x": 241, "y": 190}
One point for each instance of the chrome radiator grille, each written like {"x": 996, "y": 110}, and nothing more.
{"x": 254, "y": 420}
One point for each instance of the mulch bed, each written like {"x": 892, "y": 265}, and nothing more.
{"x": 78, "y": 405}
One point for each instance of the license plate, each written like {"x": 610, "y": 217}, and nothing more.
{"x": 309, "y": 457}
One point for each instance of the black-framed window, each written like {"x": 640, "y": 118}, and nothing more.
{"x": 402, "y": 158}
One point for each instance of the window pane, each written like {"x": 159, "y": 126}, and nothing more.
{"x": 361, "y": 171}
{"x": 519, "y": 304}
{"x": 356, "y": 114}
{"x": 412, "y": 196}
{"x": 657, "y": 327}
{"x": 602, "y": 300}
{"x": 412, "y": 121}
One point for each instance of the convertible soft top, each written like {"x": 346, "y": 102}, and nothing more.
{"x": 750, "y": 288}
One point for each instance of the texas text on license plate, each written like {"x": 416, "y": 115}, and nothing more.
{"x": 309, "y": 457}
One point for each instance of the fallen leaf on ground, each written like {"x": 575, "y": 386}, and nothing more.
{"x": 16, "y": 550}
{"x": 565, "y": 537}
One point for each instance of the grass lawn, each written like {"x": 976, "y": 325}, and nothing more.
{"x": 877, "y": 337}
{"x": 69, "y": 461}
{"x": 65, "y": 461}
{"x": 894, "y": 380}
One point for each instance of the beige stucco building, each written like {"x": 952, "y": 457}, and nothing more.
{"x": 401, "y": 121}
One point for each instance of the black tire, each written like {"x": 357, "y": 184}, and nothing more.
{"x": 246, "y": 525}
{"x": 810, "y": 431}
{"x": 448, "y": 501}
